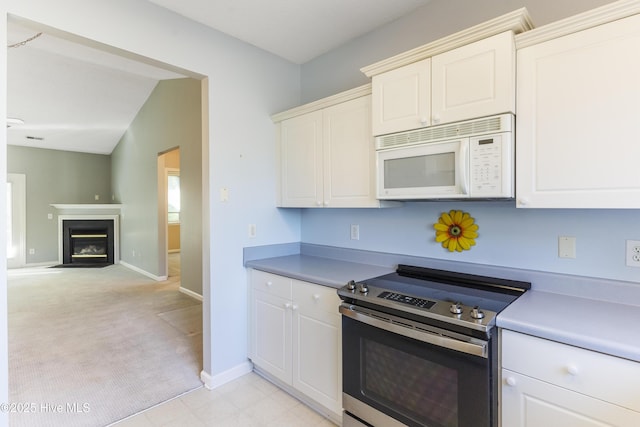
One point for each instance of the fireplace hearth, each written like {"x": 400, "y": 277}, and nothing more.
{"x": 87, "y": 241}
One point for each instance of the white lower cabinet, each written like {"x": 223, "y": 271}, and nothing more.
{"x": 545, "y": 384}
{"x": 295, "y": 337}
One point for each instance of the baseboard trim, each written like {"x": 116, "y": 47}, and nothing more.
{"x": 38, "y": 264}
{"x": 143, "y": 272}
{"x": 212, "y": 382}
{"x": 190, "y": 293}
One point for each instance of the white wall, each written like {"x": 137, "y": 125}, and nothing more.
{"x": 245, "y": 86}
{"x": 4, "y": 353}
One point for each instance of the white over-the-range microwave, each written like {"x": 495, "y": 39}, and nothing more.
{"x": 465, "y": 160}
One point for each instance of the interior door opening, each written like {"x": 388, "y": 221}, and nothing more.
{"x": 16, "y": 220}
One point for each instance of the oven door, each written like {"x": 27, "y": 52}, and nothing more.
{"x": 395, "y": 374}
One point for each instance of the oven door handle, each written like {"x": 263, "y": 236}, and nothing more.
{"x": 415, "y": 330}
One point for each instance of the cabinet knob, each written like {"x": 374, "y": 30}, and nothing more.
{"x": 436, "y": 119}
{"x": 424, "y": 121}
{"x": 573, "y": 370}
{"x": 294, "y": 307}
{"x": 523, "y": 202}
{"x": 287, "y": 305}
{"x": 326, "y": 203}
{"x": 269, "y": 284}
{"x": 316, "y": 297}
{"x": 318, "y": 203}
{"x": 511, "y": 381}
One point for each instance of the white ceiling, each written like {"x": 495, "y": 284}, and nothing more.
{"x": 297, "y": 30}
{"x": 76, "y": 98}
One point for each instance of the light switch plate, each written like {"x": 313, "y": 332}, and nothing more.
{"x": 566, "y": 247}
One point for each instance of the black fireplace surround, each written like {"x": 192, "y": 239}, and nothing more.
{"x": 87, "y": 241}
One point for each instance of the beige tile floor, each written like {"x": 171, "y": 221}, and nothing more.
{"x": 249, "y": 401}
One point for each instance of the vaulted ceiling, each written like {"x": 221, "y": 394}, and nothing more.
{"x": 79, "y": 98}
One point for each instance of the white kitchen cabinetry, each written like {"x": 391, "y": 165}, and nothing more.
{"x": 545, "y": 383}
{"x": 577, "y": 115}
{"x": 401, "y": 98}
{"x": 301, "y": 161}
{"x": 471, "y": 81}
{"x": 476, "y": 80}
{"x": 327, "y": 156}
{"x": 295, "y": 337}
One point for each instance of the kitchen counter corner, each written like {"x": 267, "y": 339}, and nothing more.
{"x": 314, "y": 269}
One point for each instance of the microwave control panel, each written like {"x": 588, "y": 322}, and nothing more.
{"x": 491, "y": 166}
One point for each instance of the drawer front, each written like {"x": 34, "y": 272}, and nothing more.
{"x": 271, "y": 284}
{"x": 605, "y": 377}
{"x": 309, "y": 296}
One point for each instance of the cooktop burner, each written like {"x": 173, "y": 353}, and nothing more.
{"x": 422, "y": 293}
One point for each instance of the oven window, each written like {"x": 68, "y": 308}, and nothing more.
{"x": 435, "y": 170}
{"x": 427, "y": 388}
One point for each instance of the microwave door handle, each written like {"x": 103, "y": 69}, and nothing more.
{"x": 463, "y": 165}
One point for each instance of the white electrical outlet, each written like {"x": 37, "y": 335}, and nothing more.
{"x": 32, "y": 251}
{"x": 252, "y": 231}
{"x": 633, "y": 253}
{"x": 355, "y": 232}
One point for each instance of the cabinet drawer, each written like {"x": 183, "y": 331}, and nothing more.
{"x": 309, "y": 296}
{"x": 605, "y": 377}
{"x": 271, "y": 284}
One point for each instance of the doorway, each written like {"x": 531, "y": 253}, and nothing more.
{"x": 16, "y": 220}
{"x": 204, "y": 236}
{"x": 169, "y": 218}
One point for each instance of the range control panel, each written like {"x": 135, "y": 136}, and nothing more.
{"x": 406, "y": 299}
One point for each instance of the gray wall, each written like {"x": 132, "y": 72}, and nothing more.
{"x": 56, "y": 177}
{"x": 170, "y": 118}
{"x": 339, "y": 69}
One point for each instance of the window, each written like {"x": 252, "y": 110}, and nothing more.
{"x": 173, "y": 197}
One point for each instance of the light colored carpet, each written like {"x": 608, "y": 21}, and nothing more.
{"x": 88, "y": 347}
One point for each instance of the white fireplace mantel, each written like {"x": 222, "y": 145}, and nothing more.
{"x": 87, "y": 206}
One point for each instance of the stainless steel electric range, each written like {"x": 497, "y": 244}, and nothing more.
{"x": 420, "y": 348}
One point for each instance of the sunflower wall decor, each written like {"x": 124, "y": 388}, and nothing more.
{"x": 456, "y": 230}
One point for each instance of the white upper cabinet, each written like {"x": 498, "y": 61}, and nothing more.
{"x": 475, "y": 80}
{"x": 577, "y": 119}
{"x": 348, "y": 155}
{"x": 401, "y": 98}
{"x": 327, "y": 154}
{"x": 301, "y": 160}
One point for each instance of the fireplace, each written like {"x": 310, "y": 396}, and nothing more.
{"x": 88, "y": 241}
{"x": 88, "y": 238}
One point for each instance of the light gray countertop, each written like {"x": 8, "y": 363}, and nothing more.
{"x": 595, "y": 314}
{"x": 606, "y": 327}
{"x": 323, "y": 271}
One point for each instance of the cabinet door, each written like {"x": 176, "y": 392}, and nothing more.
{"x": 475, "y": 80}
{"x": 301, "y": 161}
{"x": 401, "y": 98}
{"x": 317, "y": 345}
{"x": 271, "y": 334}
{"x": 577, "y": 120}
{"x": 349, "y": 155}
{"x": 527, "y": 402}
